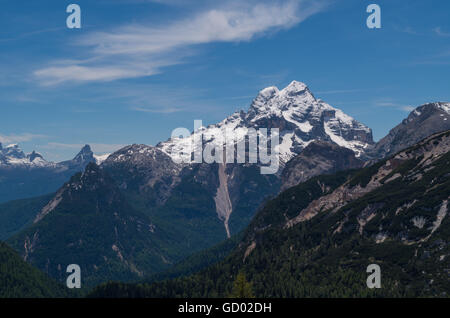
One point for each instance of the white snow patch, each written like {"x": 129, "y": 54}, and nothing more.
{"x": 284, "y": 148}
{"x": 445, "y": 107}
{"x": 100, "y": 158}
{"x": 305, "y": 126}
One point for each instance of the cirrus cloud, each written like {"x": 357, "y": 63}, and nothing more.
{"x": 97, "y": 147}
{"x": 133, "y": 51}
{"x": 18, "y": 138}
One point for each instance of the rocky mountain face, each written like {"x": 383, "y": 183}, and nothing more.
{"x": 301, "y": 119}
{"x": 422, "y": 122}
{"x": 318, "y": 158}
{"x": 144, "y": 170}
{"x": 29, "y": 175}
{"x": 420, "y": 160}
{"x": 149, "y": 175}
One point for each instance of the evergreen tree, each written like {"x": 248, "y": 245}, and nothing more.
{"x": 241, "y": 287}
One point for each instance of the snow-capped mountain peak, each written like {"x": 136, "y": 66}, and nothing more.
{"x": 12, "y": 155}
{"x": 14, "y": 151}
{"x": 295, "y": 88}
{"x": 299, "y": 116}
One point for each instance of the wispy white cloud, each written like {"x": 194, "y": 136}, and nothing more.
{"x": 158, "y": 110}
{"x": 440, "y": 32}
{"x": 440, "y": 58}
{"x": 17, "y": 138}
{"x": 406, "y": 29}
{"x": 162, "y": 2}
{"x": 96, "y": 147}
{"x": 393, "y": 104}
{"x": 340, "y": 91}
{"x": 28, "y": 34}
{"x": 216, "y": 25}
{"x": 154, "y": 98}
{"x": 407, "y": 108}
{"x": 56, "y": 75}
{"x": 133, "y": 51}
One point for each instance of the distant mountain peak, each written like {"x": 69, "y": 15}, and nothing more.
{"x": 13, "y": 151}
{"x": 34, "y": 155}
{"x": 13, "y": 156}
{"x": 422, "y": 122}
{"x": 85, "y": 155}
{"x": 429, "y": 108}
{"x": 86, "y": 148}
{"x": 81, "y": 160}
{"x": 86, "y": 151}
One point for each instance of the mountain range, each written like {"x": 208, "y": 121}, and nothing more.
{"x": 316, "y": 239}
{"x": 30, "y": 175}
{"x": 139, "y": 212}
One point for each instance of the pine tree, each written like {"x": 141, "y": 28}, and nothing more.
{"x": 242, "y": 288}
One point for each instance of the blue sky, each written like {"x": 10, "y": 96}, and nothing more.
{"x": 137, "y": 69}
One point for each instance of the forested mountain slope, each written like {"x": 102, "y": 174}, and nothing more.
{"x": 317, "y": 239}
{"x": 20, "y": 280}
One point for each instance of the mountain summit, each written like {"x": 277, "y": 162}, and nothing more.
{"x": 300, "y": 118}
{"x": 12, "y": 156}
{"x": 81, "y": 160}
{"x": 422, "y": 122}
